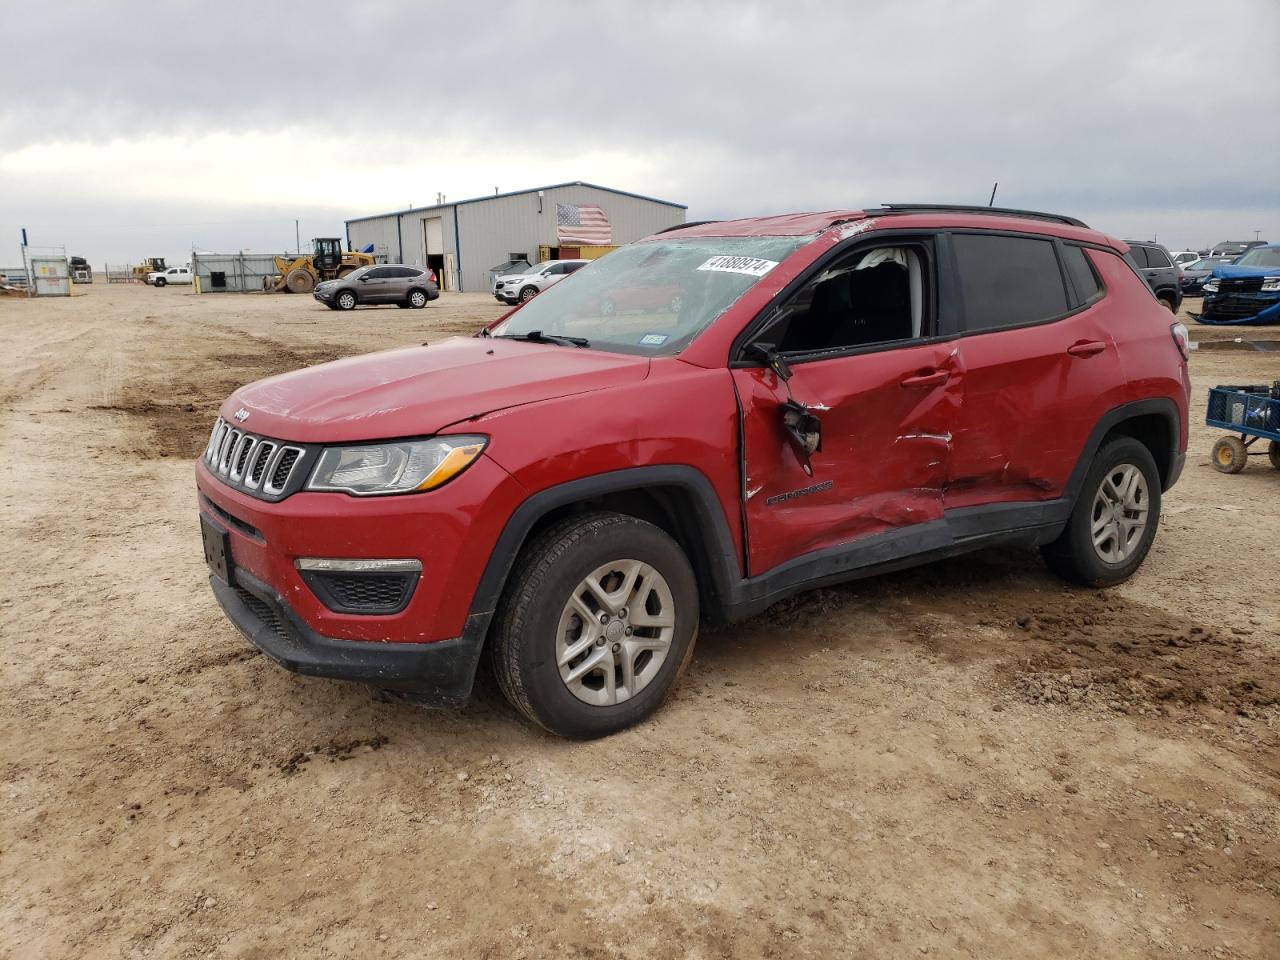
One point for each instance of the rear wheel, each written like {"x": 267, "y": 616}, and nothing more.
{"x": 417, "y": 299}
{"x": 300, "y": 281}
{"x": 346, "y": 300}
{"x": 1167, "y": 300}
{"x": 1230, "y": 455}
{"x": 1114, "y": 520}
{"x": 597, "y": 626}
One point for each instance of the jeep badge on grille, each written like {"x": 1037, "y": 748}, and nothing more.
{"x": 242, "y": 414}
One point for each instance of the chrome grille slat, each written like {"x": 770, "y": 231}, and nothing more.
{"x": 258, "y": 465}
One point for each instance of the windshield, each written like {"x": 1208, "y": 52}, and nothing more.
{"x": 357, "y": 272}
{"x": 1260, "y": 257}
{"x": 651, "y": 298}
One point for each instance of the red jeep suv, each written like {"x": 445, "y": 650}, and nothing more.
{"x": 812, "y": 398}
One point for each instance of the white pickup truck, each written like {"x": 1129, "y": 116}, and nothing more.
{"x": 161, "y": 278}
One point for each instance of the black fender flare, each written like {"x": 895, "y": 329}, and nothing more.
{"x": 1163, "y": 407}
{"x": 713, "y": 529}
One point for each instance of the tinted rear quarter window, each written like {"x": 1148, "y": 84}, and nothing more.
{"x": 1156, "y": 257}
{"x": 1008, "y": 281}
{"x": 1139, "y": 257}
{"x": 1083, "y": 279}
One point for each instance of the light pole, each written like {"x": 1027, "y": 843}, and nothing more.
{"x": 297, "y": 238}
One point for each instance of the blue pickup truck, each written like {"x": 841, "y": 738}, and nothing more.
{"x": 1246, "y": 292}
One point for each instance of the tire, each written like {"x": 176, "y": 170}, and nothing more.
{"x": 403, "y": 305}
{"x": 417, "y": 299}
{"x": 548, "y": 597}
{"x": 161, "y": 281}
{"x": 1168, "y": 303}
{"x": 345, "y": 300}
{"x": 1273, "y": 453}
{"x": 528, "y": 293}
{"x": 1230, "y": 455}
{"x": 1122, "y": 546}
{"x": 299, "y": 281}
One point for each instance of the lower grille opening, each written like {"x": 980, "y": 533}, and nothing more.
{"x": 267, "y": 614}
{"x": 349, "y": 592}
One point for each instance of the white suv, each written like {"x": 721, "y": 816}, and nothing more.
{"x": 519, "y": 287}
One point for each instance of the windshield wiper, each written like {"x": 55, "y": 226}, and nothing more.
{"x": 537, "y": 336}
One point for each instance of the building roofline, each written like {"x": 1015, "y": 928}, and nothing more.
{"x": 517, "y": 193}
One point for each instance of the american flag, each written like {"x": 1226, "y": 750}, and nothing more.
{"x": 582, "y": 223}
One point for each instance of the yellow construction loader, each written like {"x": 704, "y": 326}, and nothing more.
{"x": 153, "y": 265}
{"x": 327, "y": 261}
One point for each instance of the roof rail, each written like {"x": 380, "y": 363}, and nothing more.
{"x": 685, "y": 226}
{"x": 890, "y": 208}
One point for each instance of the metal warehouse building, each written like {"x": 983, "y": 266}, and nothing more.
{"x": 463, "y": 241}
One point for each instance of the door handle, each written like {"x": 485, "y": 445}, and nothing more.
{"x": 1086, "y": 348}
{"x": 932, "y": 378}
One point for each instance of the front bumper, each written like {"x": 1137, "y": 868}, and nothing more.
{"x": 324, "y": 296}
{"x": 451, "y": 531}
{"x": 435, "y": 674}
{"x": 1244, "y": 308}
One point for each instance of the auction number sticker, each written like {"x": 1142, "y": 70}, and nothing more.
{"x": 653, "y": 339}
{"x": 751, "y": 266}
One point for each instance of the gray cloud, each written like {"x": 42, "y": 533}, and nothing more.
{"x": 739, "y": 107}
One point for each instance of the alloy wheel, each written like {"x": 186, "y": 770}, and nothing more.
{"x": 1120, "y": 513}
{"x": 615, "y": 632}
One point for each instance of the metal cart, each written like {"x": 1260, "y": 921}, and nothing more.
{"x": 1251, "y": 414}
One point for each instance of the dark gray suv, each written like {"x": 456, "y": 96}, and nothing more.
{"x": 1154, "y": 265}
{"x": 382, "y": 283}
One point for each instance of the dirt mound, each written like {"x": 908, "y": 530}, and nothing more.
{"x": 1130, "y": 657}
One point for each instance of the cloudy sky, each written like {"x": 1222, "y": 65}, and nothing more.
{"x": 127, "y": 132}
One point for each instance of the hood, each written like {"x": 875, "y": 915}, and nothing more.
{"x": 1230, "y": 271}
{"x": 417, "y": 391}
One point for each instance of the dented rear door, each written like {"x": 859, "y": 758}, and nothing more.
{"x": 887, "y": 418}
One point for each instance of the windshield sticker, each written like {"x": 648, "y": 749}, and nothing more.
{"x": 653, "y": 339}
{"x": 751, "y": 266}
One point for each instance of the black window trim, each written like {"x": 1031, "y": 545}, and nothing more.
{"x": 1073, "y": 294}
{"x": 870, "y": 240}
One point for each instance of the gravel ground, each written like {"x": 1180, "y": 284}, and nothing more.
{"x": 966, "y": 759}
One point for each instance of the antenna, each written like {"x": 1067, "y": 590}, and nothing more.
{"x": 992, "y": 201}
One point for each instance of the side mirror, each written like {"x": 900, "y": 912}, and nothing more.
{"x": 363, "y": 277}
{"x": 767, "y": 353}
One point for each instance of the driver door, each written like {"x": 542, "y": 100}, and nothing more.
{"x": 857, "y": 339}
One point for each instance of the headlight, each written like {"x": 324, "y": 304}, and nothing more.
{"x": 1210, "y": 286}
{"x": 401, "y": 467}
{"x": 1271, "y": 285}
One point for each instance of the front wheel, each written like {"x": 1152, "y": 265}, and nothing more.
{"x": 597, "y": 626}
{"x": 528, "y": 293}
{"x": 160, "y": 281}
{"x": 346, "y": 300}
{"x": 1114, "y": 520}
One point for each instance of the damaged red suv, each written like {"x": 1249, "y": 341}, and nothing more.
{"x": 812, "y": 398}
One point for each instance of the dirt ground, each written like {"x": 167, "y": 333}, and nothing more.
{"x": 968, "y": 759}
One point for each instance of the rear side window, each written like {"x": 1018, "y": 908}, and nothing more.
{"x": 1008, "y": 281}
{"x": 1157, "y": 258}
{"x": 1083, "y": 279}
{"x": 571, "y": 267}
{"x": 1139, "y": 257}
